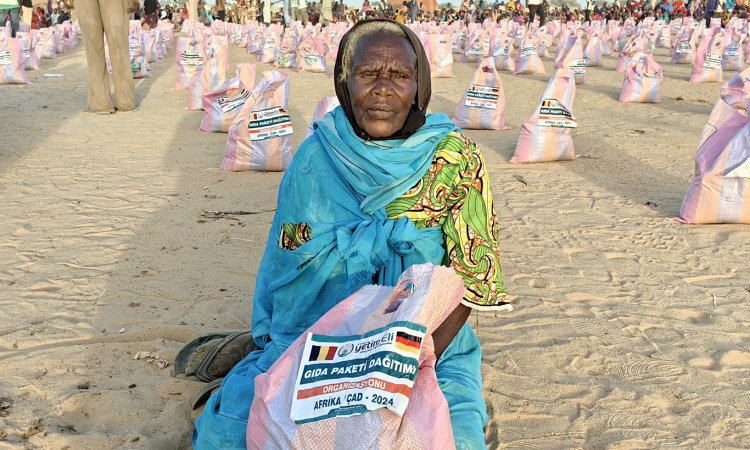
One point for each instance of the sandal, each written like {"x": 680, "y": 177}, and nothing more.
{"x": 201, "y": 397}
{"x": 227, "y": 351}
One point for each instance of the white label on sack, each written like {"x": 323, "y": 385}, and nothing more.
{"x": 315, "y": 62}
{"x": 732, "y": 50}
{"x": 528, "y": 49}
{"x": 475, "y": 50}
{"x": 5, "y": 58}
{"x": 579, "y": 66}
{"x": 229, "y": 103}
{"x": 191, "y": 59}
{"x": 484, "y": 97}
{"x": 26, "y": 53}
{"x": 683, "y": 48}
{"x": 349, "y": 375}
{"x": 712, "y": 61}
{"x": 554, "y": 114}
{"x": 504, "y": 51}
{"x": 269, "y": 123}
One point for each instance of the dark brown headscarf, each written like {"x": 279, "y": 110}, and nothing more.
{"x": 416, "y": 117}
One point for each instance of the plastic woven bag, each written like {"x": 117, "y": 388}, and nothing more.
{"x": 261, "y": 136}
{"x": 28, "y": 42}
{"x": 528, "y": 61}
{"x": 720, "y": 191}
{"x": 438, "y": 49}
{"x": 643, "y": 80}
{"x": 12, "y": 66}
{"x": 737, "y": 88}
{"x": 189, "y": 60}
{"x": 571, "y": 57}
{"x": 324, "y": 107}
{"x": 734, "y": 53}
{"x": 708, "y": 57}
{"x": 311, "y": 56}
{"x": 482, "y": 107}
{"x": 45, "y": 47}
{"x": 684, "y": 47}
{"x": 545, "y": 136}
{"x": 306, "y": 400}
{"x": 222, "y": 105}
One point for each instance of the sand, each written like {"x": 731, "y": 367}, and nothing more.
{"x": 630, "y": 330}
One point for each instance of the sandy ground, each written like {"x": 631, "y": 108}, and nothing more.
{"x": 630, "y": 330}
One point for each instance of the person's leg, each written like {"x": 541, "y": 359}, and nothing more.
{"x": 460, "y": 378}
{"x": 192, "y": 7}
{"x": 27, "y": 15}
{"x": 115, "y": 21}
{"x": 100, "y": 98}
{"x": 14, "y": 21}
{"x": 542, "y": 16}
{"x": 4, "y": 13}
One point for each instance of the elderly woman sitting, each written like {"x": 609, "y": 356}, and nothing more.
{"x": 378, "y": 187}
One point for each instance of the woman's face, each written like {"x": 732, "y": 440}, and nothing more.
{"x": 383, "y": 83}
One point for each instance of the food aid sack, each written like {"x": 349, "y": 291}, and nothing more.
{"x": 270, "y": 49}
{"x": 643, "y": 80}
{"x": 477, "y": 46}
{"x": 503, "y": 53}
{"x": 571, "y": 57}
{"x": 256, "y": 41}
{"x": 28, "y": 42}
{"x": 720, "y": 191}
{"x": 593, "y": 50}
{"x": 222, "y": 105}
{"x": 45, "y": 46}
{"x": 324, "y": 107}
{"x": 12, "y": 66}
{"x": 684, "y": 47}
{"x": 286, "y": 56}
{"x": 482, "y": 107}
{"x": 311, "y": 56}
{"x": 737, "y": 88}
{"x": 189, "y": 60}
{"x": 138, "y": 62}
{"x": 734, "y": 53}
{"x": 546, "y": 135}
{"x": 663, "y": 37}
{"x": 302, "y": 402}
{"x": 528, "y": 61}
{"x": 260, "y": 138}
{"x": 215, "y": 62}
{"x": 151, "y": 46}
{"x": 635, "y": 45}
{"x": 708, "y": 57}
{"x": 439, "y": 54}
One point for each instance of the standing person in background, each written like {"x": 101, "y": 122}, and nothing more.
{"x": 110, "y": 17}
{"x": 28, "y": 11}
{"x": 536, "y": 8}
{"x": 711, "y": 7}
{"x": 151, "y": 13}
{"x": 326, "y": 12}
{"x": 587, "y": 10}
{"x": 221, "y": 6}
{"x": 299, "y": 11}
{"x": 9, "y": 8}
{"x": 192, "y": 9}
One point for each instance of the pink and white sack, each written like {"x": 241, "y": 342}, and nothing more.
{"x": 256, "y": 41}
{"x": 593, "y": 50}
{"x": 287, "y": 55}
{"x": 412, "y": 412}
{"x": 438, "y": 50}
{"x": 708, "y": 58}
{"x": 477, "y": 46}
{"x": 737, "y": 88}
{"x": 663, "y": 37}
{"x": 720, "y": 191}
{"x": 482, "y": 107}
{"x": 503, "y": 53}
{"x": 684, "y": 47}
{"x": 28, "y": 42}
{"x": 528, "y": 61}
{"x": 45, "y": 47}
{"x": 151, "y": 46}
{"x": 189, "y": 60}
{"x": 270, "y": 50}
{"x": 545, "y": 136}
{"x": 571, "y": 57}
{"x": 734, "y": 53}
{"x": 138, "y": 64}
{"x": 634, "y": 46}
{"x": 643, "y": 80}
{"x": 12, "y": 66}
{"x": 311, "y": 56}
{"x": 213, "y": 72}
{"x": 222, "y": 105}
{"x": 324, "y": 107}
{"x": 261, "y": 136}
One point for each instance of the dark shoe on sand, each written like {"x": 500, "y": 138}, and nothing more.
{"x": 212, "y": 356}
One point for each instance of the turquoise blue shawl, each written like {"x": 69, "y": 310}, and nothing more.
{"x": 338, "y": 184}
